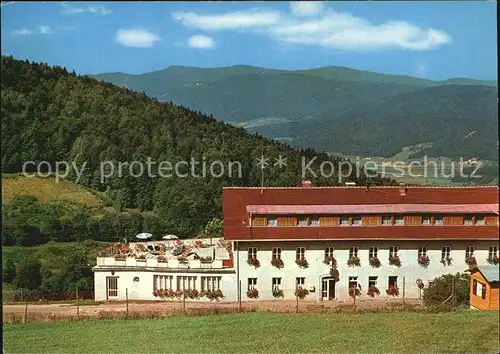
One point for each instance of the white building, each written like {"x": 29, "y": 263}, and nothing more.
{"x": 139, "y": 269}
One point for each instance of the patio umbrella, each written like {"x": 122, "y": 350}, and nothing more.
{"x": 144, "y": 236}
{"x": 169, "y": 237}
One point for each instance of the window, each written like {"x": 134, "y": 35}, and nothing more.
{"x": 468, "y": 220}
{"x": 252, "y": 253}
{"x": 314, "y": 221}
{"x": 328, "y": 252}
{"x": 479, "y": 289}
{"x": 272, "y": 221}
{"x": 393, "y": 282}
{"x": 373, "y": 253}
{"x": 479, "y": 220}
{"x": 438, "y": 220}
{"x": 276, "y": 284}
{"x": 422, "y": 251}
{"x": 302, "y": 221}
{"x": 210, "y": 283}
{"x": 300, "y": 253}
{"x": 469, "y": 251}
{"x": 300, "y": 282}
{"x": 393, "y": 251}
{"x": 186, "y": 283}
{"x": 252, "y": 283}
{"x": 493, "y": 252}
{"x": 372, "y": 281}
{"x": 353, "y": 252}
{"x": 356, "y": 220}
{"x": 398, "y": 220}
{"x": 276, "y": 253}
{"x": 426, "y": 220}
{"x": 445, "y": 252}
{"x": 353, "y": 282}
{"x": 386, "y": 220}
{"x": 163, "y": 282}
{"x": 344, "y": 220}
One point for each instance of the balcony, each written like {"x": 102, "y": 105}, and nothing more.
{"x": 103, "y": 262}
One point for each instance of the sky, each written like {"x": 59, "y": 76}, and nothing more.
{"x": 434, "y": 40}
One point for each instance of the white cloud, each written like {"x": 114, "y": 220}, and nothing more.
{"x": 329, "y": 29}
{"x": 73, "y": 10}
{"x": 137, "y": 38}
{"x": 306, "y": 8}
{"x": 45, "y": 30}
{"x": 22, "y": 32}
{"x": 228, "y": 21}
{"x": 203, "y": 42}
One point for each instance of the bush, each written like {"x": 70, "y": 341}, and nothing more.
{"x": 439, "y": 289}
{"x": 9, "y": 271}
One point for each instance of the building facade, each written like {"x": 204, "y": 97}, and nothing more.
{"x": 142, "y": 270}
{"x": 331, "y": 239}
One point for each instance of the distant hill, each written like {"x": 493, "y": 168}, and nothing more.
{"x": 444, "y": 115}
{"x": 309, "y": 108}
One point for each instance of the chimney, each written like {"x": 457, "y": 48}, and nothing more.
{"x": 402, "y": 189}
{"x": 306, "y": 184}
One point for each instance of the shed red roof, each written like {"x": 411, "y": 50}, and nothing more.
{"x": 239, "y": 202}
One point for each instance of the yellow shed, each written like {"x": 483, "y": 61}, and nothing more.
{"x": 484, "y": 287}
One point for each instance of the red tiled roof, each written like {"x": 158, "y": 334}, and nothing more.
{"x": 372, "y": 209}
{"x": 236, "y": 200}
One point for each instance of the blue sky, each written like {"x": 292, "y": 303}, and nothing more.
{"x": 435, "y": 40}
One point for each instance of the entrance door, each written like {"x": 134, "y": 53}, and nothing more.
{"x": 112, "y": 287}
{"x": 328, "y": 288}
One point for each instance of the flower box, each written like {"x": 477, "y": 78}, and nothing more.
{"x": 253, "y": 293}
{"x": 395, "y": 261}
{"x": 168, "y": 294}
{"x": 354, "y": 292}
{"x": 254, "y": 262}
{"x": 392, "y": 291}
{"x": 471, "y": 261}
{"x": 331, "y": 261}
{"x": 375, "y": 262}
{"x": 278, "y": 293}
{"x": 140, "y": 258}
{"x": 301, "y": 292}
{"x": 120, "y": 257}
{"x": 372, "y": 291}
{"x": 354, "y": 261}
{"x": 277, "y": 262}
{"x": 206, "y": 259}
{"x": 211, "y": 295}
{"x": 424, "y": 261}
{"x": 493, "y": 260}
{"x": 302, "y": 262}
{"x": 446, "y": 261}
{"x": 161, "y": 259}
{"x": 192, "y": 294}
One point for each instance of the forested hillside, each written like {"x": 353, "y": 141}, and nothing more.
{"x": 460, "y": 120}
{"x": 51, "y": 115}
{"x": 334, "y": 108}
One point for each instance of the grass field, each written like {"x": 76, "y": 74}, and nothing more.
{"x": 390, "y": 332}
{"x": 47, "y": 190}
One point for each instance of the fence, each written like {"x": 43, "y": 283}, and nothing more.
{"x": 75, "y": 307}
